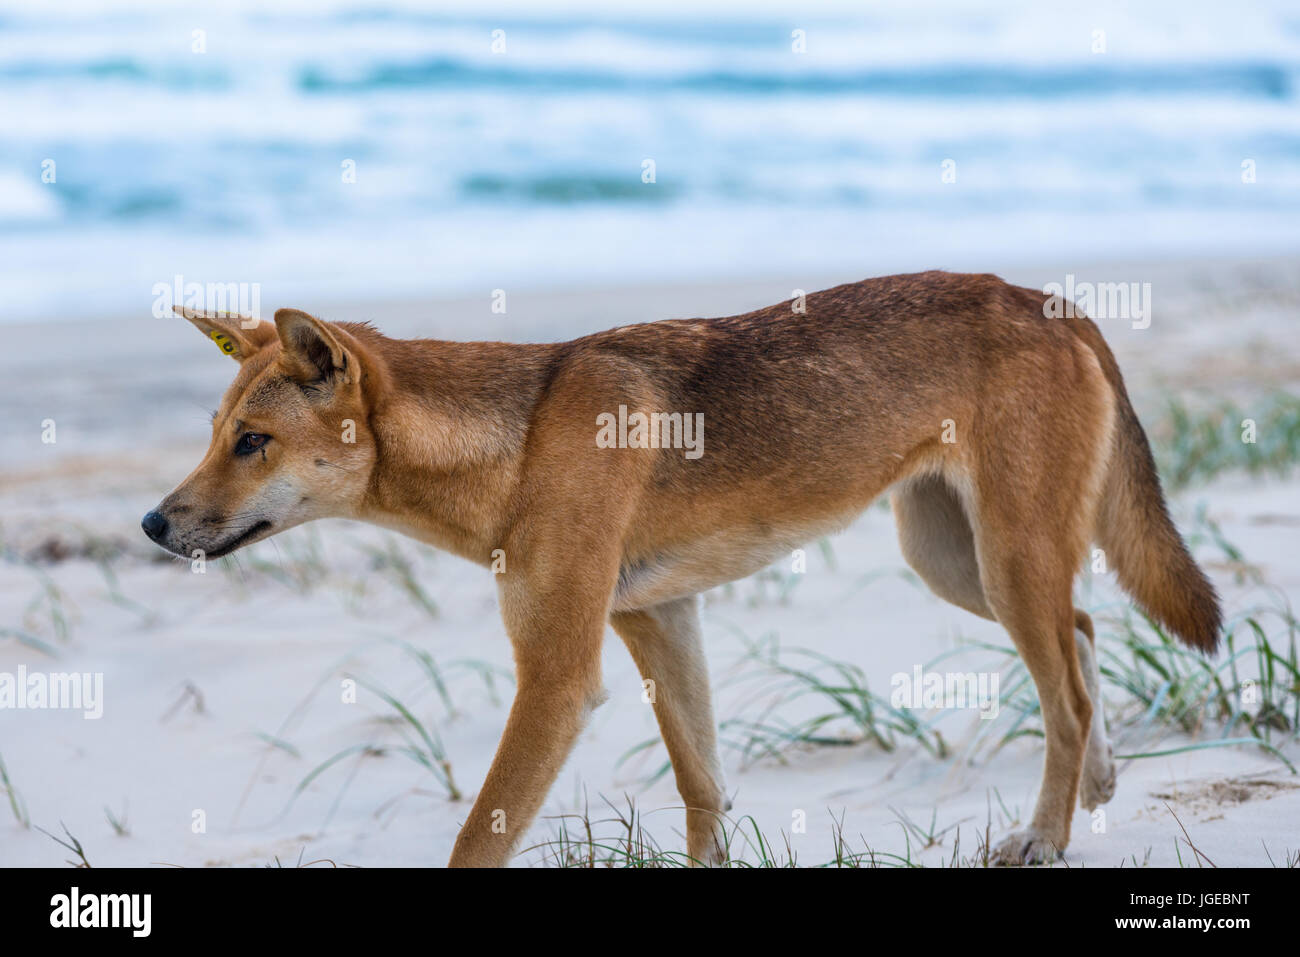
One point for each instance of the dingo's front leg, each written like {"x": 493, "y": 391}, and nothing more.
{"x": 665, "y": 643}
{"x": 563, "y": 563}
{"x": 557, "y": 642}
{"x": 563, "y": 543}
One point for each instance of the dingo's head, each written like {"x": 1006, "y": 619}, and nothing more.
{"x": 290, "y": 442}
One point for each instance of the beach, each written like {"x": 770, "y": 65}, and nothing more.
{"x": 248, "y": 714}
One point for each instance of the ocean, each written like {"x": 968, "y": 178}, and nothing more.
{"x": 400, "y": 149}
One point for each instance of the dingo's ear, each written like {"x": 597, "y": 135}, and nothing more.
{"x": 237, "y": 336}
{"x": 310, "y": 349}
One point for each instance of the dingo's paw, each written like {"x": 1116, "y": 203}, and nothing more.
{"x": 1025, "y": 847}
{"x": 1098, "y": 783}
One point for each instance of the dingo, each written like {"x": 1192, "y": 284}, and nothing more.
{"x": 1007, "y": 439}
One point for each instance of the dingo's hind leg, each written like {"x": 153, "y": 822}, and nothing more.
{"x": 1036, "y": 475}
{"x": 1028, "y": 583}
{"x": 1098, "y": 783}
{"x": 938, "y": 542}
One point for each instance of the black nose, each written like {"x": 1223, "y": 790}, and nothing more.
{"x": 154, "y": 525}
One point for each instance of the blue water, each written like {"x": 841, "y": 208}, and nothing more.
{"x": 477, "y": 169}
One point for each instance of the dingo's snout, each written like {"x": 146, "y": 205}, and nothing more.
{"x": 173, "y": 528}
{"x": 155, "y": 525}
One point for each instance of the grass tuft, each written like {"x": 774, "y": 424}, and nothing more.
{"x": 1197, "y": 444}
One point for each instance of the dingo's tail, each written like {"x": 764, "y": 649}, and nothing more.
{"x": 1134, "y": 529}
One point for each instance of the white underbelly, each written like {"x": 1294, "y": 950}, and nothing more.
{"x": 712, "y": 561}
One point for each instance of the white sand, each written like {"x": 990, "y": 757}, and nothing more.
{"x": 267, "y": 654}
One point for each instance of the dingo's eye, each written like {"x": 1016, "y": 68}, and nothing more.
{"x": 250, "y": 442}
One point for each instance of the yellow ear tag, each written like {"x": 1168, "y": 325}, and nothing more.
{"x": 223, "y": 341}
